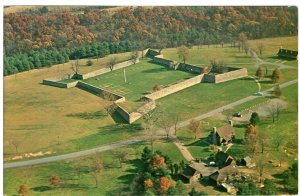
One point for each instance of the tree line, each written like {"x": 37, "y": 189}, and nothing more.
{"x": 46, "y": 57}
{"x": 157, "y": 27}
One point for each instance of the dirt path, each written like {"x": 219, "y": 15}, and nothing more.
{"x": 183, "y": 149}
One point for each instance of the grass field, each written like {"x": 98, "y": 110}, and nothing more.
{"x": 232, "y": 57}
{"x": 54, "y": 118}
{"x": 205, "y": 55}
{"x": 204, "y": 97}
{"x": 141, "y": 78}
{"x": 70, "y": 119}
{"x": 113, "y": 176}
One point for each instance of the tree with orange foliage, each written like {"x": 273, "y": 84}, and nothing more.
{"x": 148, "y": 183}
{"x": 195, "y": 127}
{"x": 55, "y": 180}
{"x": 157, "y": 87}
{"x": 23, "y": 190}
{"x": 164, "y": 184}
{"x": 158, "y": 162}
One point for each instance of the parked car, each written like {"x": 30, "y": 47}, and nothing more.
{"x": 259, "y": 94}
{"x": 237, "y": 114}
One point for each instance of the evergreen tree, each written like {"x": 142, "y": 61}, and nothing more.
{"x": 254, "y": 119}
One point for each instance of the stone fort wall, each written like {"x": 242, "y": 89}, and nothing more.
{"x": 98, "y": 91}
{"x": 53, "y": 81}
{"x": 150, "y": 104}
{"x": 175, "y": 88}
{"x": 231, "y": 75}
{"x": 104, "y": 70}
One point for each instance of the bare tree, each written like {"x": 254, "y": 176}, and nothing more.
{"x": 260, "y": 166}
{"x": 274, "y": 110}
{"x": 246, "y": 48}
{"x": 96, "y": 168}
{"x": 150, "y": 117}
{"x": 250, "y": 140}
{"x": 75, "y": 66}
{"x": 250, "y": 145}
{"x": 121, "y": 155}
{"x": 166, "y": 123}
{"x": 111, "y": 63}
{"x": 278, "y": 141}
{"x": 260, "y": 48}
{"x": 175, "y": 119}
{"x": 183, "y": 53}
{"x": 16, "y": 144}
{"x": 242, "y": 38}
{"x": 263, "y": 140}
{"x": 134, "y": 57}
{"x": 279, "y": 107}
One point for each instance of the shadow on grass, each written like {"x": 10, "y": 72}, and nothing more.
{"x": 118, "y": 118}
{"x": 211, "y": 183}
{"x": 267, "y": 82}
{"x": 240, "y": 126}
{"x": 201, "y": 142}
{"x": 136, "y": 166}
{"x": 41, "y": 188}
{"x": 238, "y": 141}
{"x": 185, "y": 139}
{"x": 107, "y": 134}
{"x": 246, "y": 78}
{"x": 155, "y": 70}
{"x": 281, "y": 58}
{"x": 74, "y": 186}
{"x": 86, "y": 115}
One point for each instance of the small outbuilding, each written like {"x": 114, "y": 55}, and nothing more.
{"x": 222, "y": 159}
{"x": 247, "y": 161}
{"x": 284, "y": 53}
{"x": 224, "y": 174}
{"x": 196, "y": 170}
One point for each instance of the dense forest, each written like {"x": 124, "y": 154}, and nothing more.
{"x": 34, "y": 39}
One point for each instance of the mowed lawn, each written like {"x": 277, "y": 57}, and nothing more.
{"x": 111, "y": 178}
{"x": 203, "y": 56}
{"x": 141, "y": 78}
{"x": 233, "y": 57}
{"x": 204, "y": 97}
{"x": 43, "y": 118}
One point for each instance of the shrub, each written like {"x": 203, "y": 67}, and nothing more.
{"x": 254, "y": 120}
{"x": 89, "y": 63}
{"x": 157, "y": 87}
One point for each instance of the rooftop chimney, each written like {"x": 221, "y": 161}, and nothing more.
{"x": 215, "y": 129}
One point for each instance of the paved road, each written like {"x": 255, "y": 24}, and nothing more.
{"x": 231, "y": 105}
{"x": 73, "y": 155}
{"x": 261, "y": 61}
{"x": 133, "y": 140}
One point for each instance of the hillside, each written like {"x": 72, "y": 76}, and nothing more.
{"x": 123, "y": 29}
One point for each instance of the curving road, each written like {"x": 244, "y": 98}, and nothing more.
{"x": 261, "y": 61}
{"x": 136, "y": 139}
